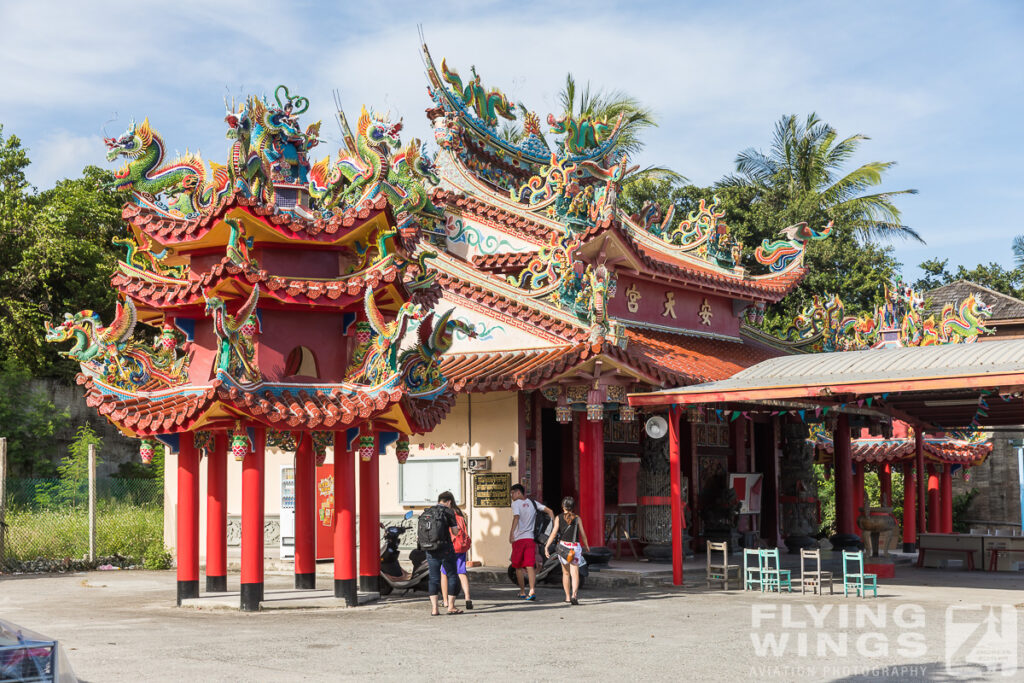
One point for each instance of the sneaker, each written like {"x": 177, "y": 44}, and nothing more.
{"x": 469, "y": 604}
{"x": 531, "y": 597}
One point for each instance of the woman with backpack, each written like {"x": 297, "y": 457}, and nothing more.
{"x": 572, "y": 541}
{"x": 461, "y": 543}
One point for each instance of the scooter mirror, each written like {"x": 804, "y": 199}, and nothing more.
{"x": 408, "y": 515}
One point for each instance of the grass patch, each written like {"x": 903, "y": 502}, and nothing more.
{"x": 121, "y": 529}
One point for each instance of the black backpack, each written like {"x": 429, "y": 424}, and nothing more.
{"x": 541, "y": 524}
{"x": 431, "y": 530}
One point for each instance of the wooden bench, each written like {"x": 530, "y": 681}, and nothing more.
{"x": 968, "y": 552}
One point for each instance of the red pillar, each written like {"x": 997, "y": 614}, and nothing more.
{"x": 592, "y": 480}
{"x": 188, "y": 519}
{"x": 252, "y": 524}
{"x": 922, "y": 476}
{"x": 845, "y": 517}
{"x": 946, "y": 500}
{"x": 885, "y": 484}
{"x": 344, "y": 521}
{"x": 369, "y": 519}
{"x": 933, "y": 502}
{"x": 909, "y": 513}
{"x": 217, "y": 514}
{"x": 305, "y": 511}
{"x": 858, "y": 490}
{"x": 675, "y": 477}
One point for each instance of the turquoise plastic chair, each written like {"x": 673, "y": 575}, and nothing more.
{"x": 751, "y": 569}
{"x": 859, "y": 581}
{"x": 773, "y": 577}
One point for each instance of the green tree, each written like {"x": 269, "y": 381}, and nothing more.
{"x": 55, "y": 257}
{"x": 29, "y": 421}
{"x": 74, "y": 467}
{"x": 802, "y": 176}
{"x": 991, "y": 275}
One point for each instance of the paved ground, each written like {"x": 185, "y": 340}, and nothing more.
{"x": 123, "y": 626}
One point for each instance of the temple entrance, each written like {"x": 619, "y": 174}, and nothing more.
{"x": 557, "y": 476}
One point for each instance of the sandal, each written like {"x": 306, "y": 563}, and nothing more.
{"x": 455, "y": 611}
{"x": 574, "y": 600}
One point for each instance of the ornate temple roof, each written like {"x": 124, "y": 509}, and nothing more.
{"x": 878, "y": 450}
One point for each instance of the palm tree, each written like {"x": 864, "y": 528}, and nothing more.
{"x": 607, "y": 105}
{"x": 1018, "y": 250}
{"x": 803, "y": 172}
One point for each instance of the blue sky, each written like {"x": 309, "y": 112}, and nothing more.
{"x": 938, "y": 86}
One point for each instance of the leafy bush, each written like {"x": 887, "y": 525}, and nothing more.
{"x": 961, "y": 502}
{"x": 157, "y": 557}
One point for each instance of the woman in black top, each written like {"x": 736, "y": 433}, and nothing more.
{"x": 572, "y": 541}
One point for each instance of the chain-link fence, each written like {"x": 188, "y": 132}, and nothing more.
{"x": 47, "y": 522}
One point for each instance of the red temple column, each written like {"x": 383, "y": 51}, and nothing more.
{"x": 845, "y": 517}
{"x": 188, "y": 519}
{"x": 933, "y": 502}
{"x": 344, "y": 521}
{"x": 252, "y": 524}
{"x": 369, "y": 519}
{"x": 946, "y": 500}
{"x": 922, "y": 476}
{"x": 885, "y": 484}
{"x": 217, "y": 515}
{"x": 305, "y": 511}
{"x": 909, "y": 513}
{"x": 592, "y": 480}
{"x": 675, "y": 477}
{"x": 858, "y": 490}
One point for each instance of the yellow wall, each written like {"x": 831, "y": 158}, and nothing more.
{"x": 495, "y": 420}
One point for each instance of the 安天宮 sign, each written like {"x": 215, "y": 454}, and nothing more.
{"x": 491, "y": 490}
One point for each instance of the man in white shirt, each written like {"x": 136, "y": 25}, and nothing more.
{"x": 524, "y": 552}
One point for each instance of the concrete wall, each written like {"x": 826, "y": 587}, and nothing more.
{"x": 495, "y": 425}
{"x": 116, "y": 448}
{"x": 998, "y": 499}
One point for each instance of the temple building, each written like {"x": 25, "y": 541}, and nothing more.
{"x": 365, "y": 331}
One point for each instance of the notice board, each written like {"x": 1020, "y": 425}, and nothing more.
{"x": 492, "y": 490}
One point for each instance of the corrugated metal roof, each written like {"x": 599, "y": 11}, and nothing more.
{"x": 846, "y": 367}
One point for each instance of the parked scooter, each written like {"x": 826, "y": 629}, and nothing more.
{"x": 550, "y": 571}
{"x": 392, "y": 575}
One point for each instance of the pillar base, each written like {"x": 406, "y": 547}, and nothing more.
{"x": 252, "y": 594}
{"x": 846, "y": 542}
{"x": 305, "y": 581}
{"x": 910, "y": 547}
{"x": 216, "y": 584}
{"x": 346, "y": 588}
{"x": 369, "y": 584}
{"x": 187, "y": 590}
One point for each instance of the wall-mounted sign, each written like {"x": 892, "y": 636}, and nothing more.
{"x": 492, "y": 490}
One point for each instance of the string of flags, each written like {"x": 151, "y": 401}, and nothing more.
{"x": 818, "y": 412}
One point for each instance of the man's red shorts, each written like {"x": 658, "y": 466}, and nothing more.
{"x": 523, "y": 553}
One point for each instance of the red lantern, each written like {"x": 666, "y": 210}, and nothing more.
{"x": 239, "y": 445}
{"x": 366, "y": 446}
{"x": 146, "y": 450}
{"x": 402, "y": 451}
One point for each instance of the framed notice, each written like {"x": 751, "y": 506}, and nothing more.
{"x": 492, "y": 490}
{"x": 421, "y": 480}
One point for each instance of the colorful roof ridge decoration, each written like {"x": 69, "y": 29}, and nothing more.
{"x": 213, "y": 265}
{"x": 825, "y": 326}
{"x": 879, "y": 450}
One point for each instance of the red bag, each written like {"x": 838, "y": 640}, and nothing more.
{"x": 460, "y": 535}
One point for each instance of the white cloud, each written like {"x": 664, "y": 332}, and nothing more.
{"x": 61, "y": 154}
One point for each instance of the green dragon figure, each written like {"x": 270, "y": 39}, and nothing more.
{"x": 143, "y": 257}
{"x": 965, "y": 322}
{"x": 236, "y": 354}
{"x": 269, "y": 147}
{"x": 581, "y": 134}
{"x": 183, "y": 181}
{"x": 488, "y": 105}
{"x": 362, "y": 168}
{"x": 409, "y": 172}
{"x": 113, "y": 356}
{"x": 239, "y": 245}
